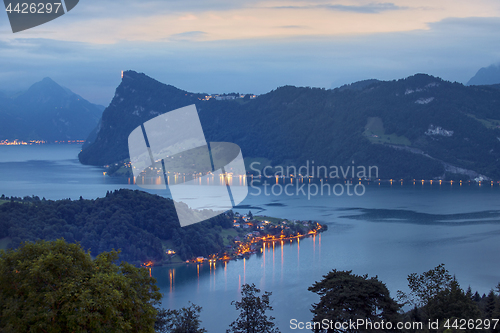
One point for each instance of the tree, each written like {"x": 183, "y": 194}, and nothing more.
{"x": 253, "y": 318}
{"x": 496, "y": 311}
{"x": 346, "y": 296}
{"x": 440, "y": 297}
{"x": 490, "y": 304}
{"x": 185, "y": 320}
{"x": 121, "y": 219}
{"x": 452, "y": 303}
{"x": 57, "y": 287}
{"x": 426, "y": 285}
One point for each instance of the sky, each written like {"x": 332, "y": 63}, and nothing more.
{"x": 249, "y": 46}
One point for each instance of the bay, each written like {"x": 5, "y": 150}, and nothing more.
{"x": 389, "y": 231}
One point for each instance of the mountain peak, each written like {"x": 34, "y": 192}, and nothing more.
{"x": 45, "y": 92}
{"x": 48, "y": 83}
{"x": 133, "y": 77}
{"x": 48, "y": 80}
{"x": 486, "y": 76}
{"x": 422, "y": 78}
{"x": 126, "y": 75}
{"x": 358, "y": 85}
{"x": 47, "y": 111}
{"x": 134, "y": 82}
{"x": 46, "y": 86}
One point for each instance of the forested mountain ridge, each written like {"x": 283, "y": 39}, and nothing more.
{"x": 137, "y": 223}
{"x": 420, "y": 127}
{"x": 48, "y": 112}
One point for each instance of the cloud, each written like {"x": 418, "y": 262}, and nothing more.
{"x": 366, "y": 9}
{"x": 145, "y": 8}
{"x": 469, "y": 25}
{"x": 372, "y": 8}
{"x": 250, "y": 50}
{"x": 188, "y": 36}
{"x": 160, "y": 21}
{"x": 292, "y": 27}
{"x": 189, "y": 17}
{"x": 250, "y": 66}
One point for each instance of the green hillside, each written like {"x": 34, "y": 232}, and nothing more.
{"x": 141, "y": 225}
{"x": 419, "y": 127}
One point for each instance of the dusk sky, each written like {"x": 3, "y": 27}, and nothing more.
{"x": 251, "y": 46}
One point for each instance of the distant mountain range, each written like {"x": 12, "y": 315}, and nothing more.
{"x": 486, "y": 76}
{"x": 420, "y": 127}
{"x": 47, "y": 111}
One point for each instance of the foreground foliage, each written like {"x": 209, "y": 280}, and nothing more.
{"x": 57, "y": 287}
{"x": 348, "y": 297}
{"x": 135, "y": 222}
{"x": 437, "y": 296}
{"x": 184, "y": 320}
{"x": 253, "y": 318}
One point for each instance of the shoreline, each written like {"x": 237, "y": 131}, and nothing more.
{"x": 247, "y": 247}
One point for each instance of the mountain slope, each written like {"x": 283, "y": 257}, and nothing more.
{"x": 137, "y": 99}
{"x": 486, "y": 76}
{"x": 47, "y": 111}
{"x": 418, "y": 127}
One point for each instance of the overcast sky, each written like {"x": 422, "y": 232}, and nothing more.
{"x": 251, "y": 46}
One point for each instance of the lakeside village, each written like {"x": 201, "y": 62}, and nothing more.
{"x": 248, "y": 236}
{"x": 228, "y": 97}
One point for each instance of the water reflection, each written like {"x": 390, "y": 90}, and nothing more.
{"x": 249, "y": 180}
{"x": 207, "y": 273}
{"x": 176, "y": 179}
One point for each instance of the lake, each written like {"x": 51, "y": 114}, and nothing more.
{"x": 389, "y": 231}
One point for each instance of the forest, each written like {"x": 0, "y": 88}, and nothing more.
{"x": 141, "y": 225}
{"x": 373, "y": 123}
{"x": 43, "y": 284}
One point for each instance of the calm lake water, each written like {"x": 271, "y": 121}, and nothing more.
{"x": 390, "y": 231}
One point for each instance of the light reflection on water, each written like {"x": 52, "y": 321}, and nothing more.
{"x": 277, "y": 268}
{"x": 167, "y": 275}
{"x": 287, "y": 269}
{"x": 390, "y": 238}
{"x": 181, "y": 179}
